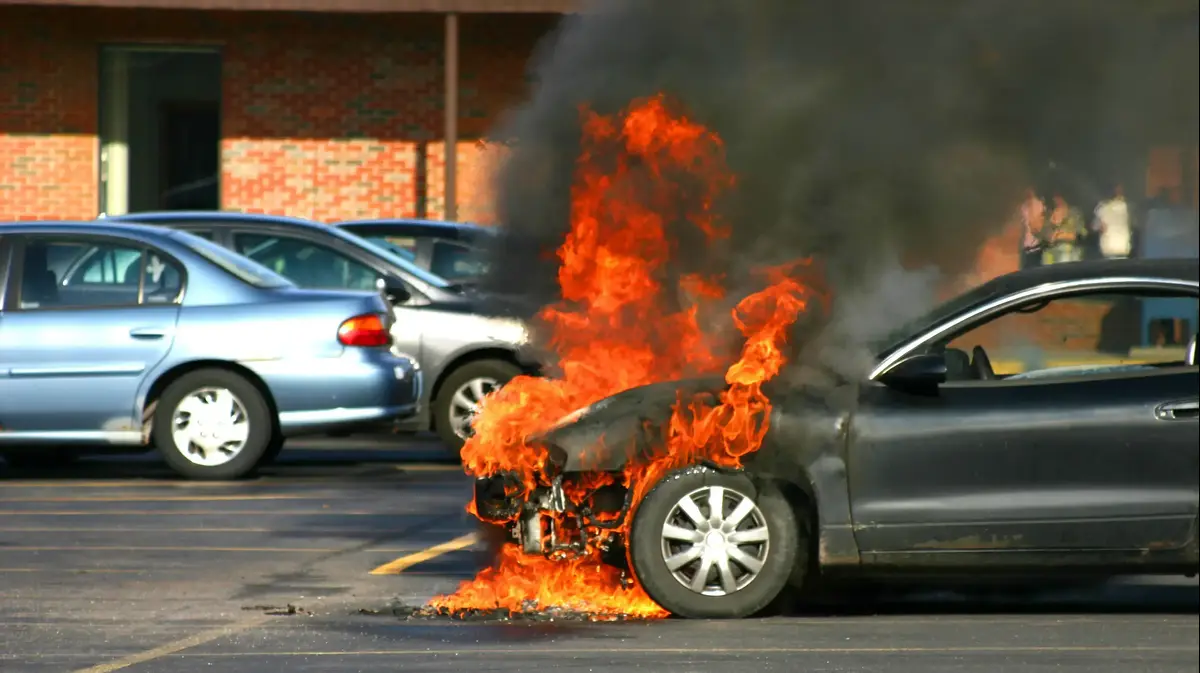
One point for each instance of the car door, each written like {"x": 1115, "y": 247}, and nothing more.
{"x": 86, "y": 319}
{"x": 1063, "y": 457}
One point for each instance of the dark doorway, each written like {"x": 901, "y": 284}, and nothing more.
{"x": 188, "y": 160}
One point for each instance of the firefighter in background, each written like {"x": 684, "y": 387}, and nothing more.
{"x": 1063, "y": 232}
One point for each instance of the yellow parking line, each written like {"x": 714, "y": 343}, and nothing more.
{"x": 283, "y": 550}
{"x": 80, "y": 571}
{"x": 399, "y": 565}
{"x": 429, "y": 467}
{"x": 187, "y": 512}
{"x": 575, "y": 651}
{"x": 165, "y": 498}
{"x": 176, "y": 646}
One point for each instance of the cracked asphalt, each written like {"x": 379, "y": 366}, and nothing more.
{"x": 114, "y": 565}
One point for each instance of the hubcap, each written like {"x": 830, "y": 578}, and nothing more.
{"x": 210, "y": 426}
{"x": 464, "y": 404}
{"x": 715, "y": 541}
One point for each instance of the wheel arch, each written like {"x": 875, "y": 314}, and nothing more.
{"x": 155, "y": 391}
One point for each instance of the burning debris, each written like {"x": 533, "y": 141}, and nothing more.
{"x": 878, "y": 139}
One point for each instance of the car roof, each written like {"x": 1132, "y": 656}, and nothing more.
{"x": 421, "y": 227}
{"x": 218, "y": 217}
{"x": 143, "y": 231}
{"x": 1180, "y": 268}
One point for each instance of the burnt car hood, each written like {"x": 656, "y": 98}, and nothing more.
{"x": 608, "y": 434}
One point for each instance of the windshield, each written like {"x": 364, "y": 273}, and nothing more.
{"x": 940, "y": 313}
{"x": 246, "y": 270}
{"x": 395, "y": 259}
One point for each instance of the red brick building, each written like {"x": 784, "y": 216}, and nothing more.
{"x": 283, "y": 106}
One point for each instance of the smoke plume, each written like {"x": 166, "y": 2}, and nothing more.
{"x": 889, "y": 140}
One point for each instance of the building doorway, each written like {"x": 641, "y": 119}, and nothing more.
{"x": 160, "y": 129}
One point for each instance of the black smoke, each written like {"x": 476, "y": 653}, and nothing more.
{"x": 881, "y": 137}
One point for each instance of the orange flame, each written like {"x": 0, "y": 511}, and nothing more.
{"x": 618, "y": 327}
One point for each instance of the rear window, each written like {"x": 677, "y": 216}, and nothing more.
{"x": 246, "y": 270}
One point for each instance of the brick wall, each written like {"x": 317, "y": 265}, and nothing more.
{"x": 325, "y": 116}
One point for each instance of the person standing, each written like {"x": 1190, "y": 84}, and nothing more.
{"x": 1033, "y": 221}
{"x": 1066, "y": 227}
{"x": 1111, "y": 223}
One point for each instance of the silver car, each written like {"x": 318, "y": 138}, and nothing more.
{"x": 467, "y": 343}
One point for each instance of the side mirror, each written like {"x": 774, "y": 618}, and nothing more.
{"x": 921, "y": 374}
{"x": 393, "y": 290}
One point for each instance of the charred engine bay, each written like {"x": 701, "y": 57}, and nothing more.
{"x": 581, "y": 501}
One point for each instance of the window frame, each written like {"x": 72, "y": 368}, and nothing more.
{"x": 12, "y": 300}
{"x": 961, "y": 323}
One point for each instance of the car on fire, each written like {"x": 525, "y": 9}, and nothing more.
{"x": 123, "y": 337}
{"x": 1079, "y": 460}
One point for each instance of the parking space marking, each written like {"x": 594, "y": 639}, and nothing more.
{"x": 460, "y": 653}
{"x": 168, "y": 498}
{"x": 404, "y": 562}
{"x": 176, "y": 646}
{"x": 77, "y": 571}
{"x": 284, "y": 550}
{"x": 430, "y": 467}
{"x": 189, "y": 512}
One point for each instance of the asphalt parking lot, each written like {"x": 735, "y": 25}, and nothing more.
{"x": 115, "y": 565}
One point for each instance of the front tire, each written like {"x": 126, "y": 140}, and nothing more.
{"x": 706, "y": 544}
{"x": 460, "y": 394}
{"x": 212, "y": 424}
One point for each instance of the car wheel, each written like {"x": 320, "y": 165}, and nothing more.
{"x": 706, "y": 544}
{"x": 460, "y": 394}
{"x": 274, "y": 448}
{"x": 212, "y": 424}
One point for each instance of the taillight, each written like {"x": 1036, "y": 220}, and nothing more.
{"x": 365, "y": 330}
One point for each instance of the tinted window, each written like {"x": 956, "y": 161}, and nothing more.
{"x": 243, "y": 269}
{"x": 403, "y": 246}
{"x": 306, "y": 263}
{"x": 1086, "y": 333}
{"x": 206, "y": 234}
{"x": 63, "y": 273}
{"x": 455, "y": 261}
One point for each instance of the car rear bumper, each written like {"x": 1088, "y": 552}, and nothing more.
{"x": 363, "y": 388}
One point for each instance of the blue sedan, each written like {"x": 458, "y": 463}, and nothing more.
{"x": 123, "y": 335}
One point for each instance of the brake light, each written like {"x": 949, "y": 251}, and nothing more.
{"x": 365, "y": 330}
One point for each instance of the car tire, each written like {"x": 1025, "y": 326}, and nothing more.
{"x": 274, "y": 448}
{"x": 201, "y": 393}
{"x": 446, "y": 413}
{"x": 753, "y": 590}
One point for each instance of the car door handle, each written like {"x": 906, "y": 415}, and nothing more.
{"x": 147, "y": 333}
{"x": 1178, "y": 411}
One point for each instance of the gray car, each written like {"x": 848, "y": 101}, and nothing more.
{"x": 467, "y": 343}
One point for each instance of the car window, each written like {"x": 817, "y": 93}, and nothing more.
{"x": 404, "y": 246}
{"x": 62, "y": 273}
{"x": 306, "y": 263}
{"x": 456, "y": 261}
{"x": 206, "y": 234}
{"x": 1083, "y": 334}
{"x": 392, "y": 258}
{"x": 246, "y": 270}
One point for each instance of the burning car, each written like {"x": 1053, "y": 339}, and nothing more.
{"x": 947, "y": 460}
